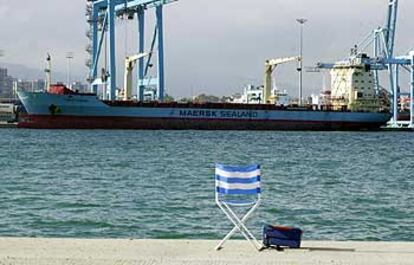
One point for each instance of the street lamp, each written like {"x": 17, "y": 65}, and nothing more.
{"x": 301, "y": 21}
{"x": 69, "y": 56}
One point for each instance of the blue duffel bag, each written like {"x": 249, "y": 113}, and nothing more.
{"x": 279, "y": 236}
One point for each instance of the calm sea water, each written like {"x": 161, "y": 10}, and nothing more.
{"x": 160, "y": 184}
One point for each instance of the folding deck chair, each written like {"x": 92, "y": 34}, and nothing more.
{"x": 238, "y": 187}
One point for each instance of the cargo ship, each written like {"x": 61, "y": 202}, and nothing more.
{"x": 62, "y": 108}
{"x": 348, "y": 107}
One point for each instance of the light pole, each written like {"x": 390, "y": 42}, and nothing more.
{"x": 69, "y": 56}
{"x": 301, "y": 21}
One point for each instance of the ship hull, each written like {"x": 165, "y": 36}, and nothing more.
{"x": 128, "y": 123}
{"x": 49, "y": 111}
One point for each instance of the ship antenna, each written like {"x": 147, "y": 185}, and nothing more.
{"x": 48, "y": 72}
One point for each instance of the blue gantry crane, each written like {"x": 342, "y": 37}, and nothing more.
{"x": 102, "y": 15}
{"x": 382, "y": 40}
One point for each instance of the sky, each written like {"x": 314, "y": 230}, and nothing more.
{"x": 214, "y": 46}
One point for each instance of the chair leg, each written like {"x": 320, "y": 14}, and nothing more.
{"x": 245, "y": 217}
{"x": 242, "y": 226}
{"x": 239, "y": 226}
{"x": 250, "y": 237}
{"x": 235, "y": 229}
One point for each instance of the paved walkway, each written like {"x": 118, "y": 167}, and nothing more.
{"x": 31, "y": 251}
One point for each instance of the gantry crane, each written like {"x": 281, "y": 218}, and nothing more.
{"x": 391, "y": 26}
{"x": 383, "y": 41}
{"x": 101, "y": 16}
{"x": 270, "y": 66}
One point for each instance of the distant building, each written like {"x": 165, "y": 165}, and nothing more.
{"x": 6, "y": 84}
{"x": 80, "y": 87}
{"x": 24, "y": 85}
{"x": 30, "y": 85}
{"x": 38, "y": 84}
{"x": 9, "y": 84}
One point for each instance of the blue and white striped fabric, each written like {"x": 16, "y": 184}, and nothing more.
{"x": 231, "y": 180}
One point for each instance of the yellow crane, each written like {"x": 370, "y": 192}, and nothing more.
{"x": 270, "y": 66}
{"x": 130, "y": 63}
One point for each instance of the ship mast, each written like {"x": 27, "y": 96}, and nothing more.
{"x": 48, "y": 72}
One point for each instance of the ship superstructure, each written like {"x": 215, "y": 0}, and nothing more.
{"x": 381, "y": 41}
{"x": 352, "y": 86}
{"x": 254, "y": 95}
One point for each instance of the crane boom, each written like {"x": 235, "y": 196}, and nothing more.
{"x": 270, "y": 66}
{"x": 130, "y": 63}
{"x": 391, "y": 26}
{"x": 275, "y": 62}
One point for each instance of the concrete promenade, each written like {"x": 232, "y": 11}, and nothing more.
{"x": 124, "y": 252}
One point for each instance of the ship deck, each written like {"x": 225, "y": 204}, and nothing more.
{"x": 227, "y": 106}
